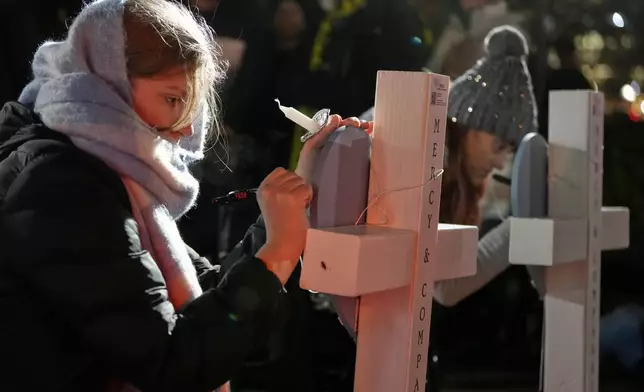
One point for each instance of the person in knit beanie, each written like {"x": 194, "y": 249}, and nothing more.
{"x": 496, "y": 94}
{"x": 490, "y": 108}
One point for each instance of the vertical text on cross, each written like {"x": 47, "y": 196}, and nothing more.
{"x": 423, "y": 292}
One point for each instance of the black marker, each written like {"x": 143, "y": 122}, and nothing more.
{"x": 236, "y": 196}
{"x": 502, "y": 179}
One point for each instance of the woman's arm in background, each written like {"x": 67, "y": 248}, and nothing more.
{"x": 492, "y": 258}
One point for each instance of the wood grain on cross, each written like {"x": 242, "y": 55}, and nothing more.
{"x": 386, "y": 269}
{"x": 570, "y": 240}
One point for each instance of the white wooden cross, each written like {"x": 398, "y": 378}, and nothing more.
{"x": 569, "y": 241}
{"x": 392, "y": 262}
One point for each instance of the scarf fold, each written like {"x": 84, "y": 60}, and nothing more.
{"x": 81, "y": 89}
{"x": 159, "y": 236}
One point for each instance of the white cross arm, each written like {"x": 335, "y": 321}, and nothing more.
{"x": 356, "y": 260}
{"x": 457, "y": 251}
{"x": 546, "y": 242}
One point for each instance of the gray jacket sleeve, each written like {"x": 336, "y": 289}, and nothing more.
{"x": 492, "y": 259}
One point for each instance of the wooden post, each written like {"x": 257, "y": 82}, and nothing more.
{"x": 570, "y": 240}
{"x": 392, "y": 262}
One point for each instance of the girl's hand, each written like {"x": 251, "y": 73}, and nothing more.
{"x": 283, "y": 198}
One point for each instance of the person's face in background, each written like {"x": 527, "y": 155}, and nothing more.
{"x": 484, "y": 152}
{"x": 289, "y": 22}
{"x": 160, "y": 102}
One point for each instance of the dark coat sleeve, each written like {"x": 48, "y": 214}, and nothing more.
{"x": 209, "y": 274}
{"x": 72, "y": 240}
{"x": 253, "y": 240}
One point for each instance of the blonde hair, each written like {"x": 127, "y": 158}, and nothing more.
{"x": 162, "y": 35}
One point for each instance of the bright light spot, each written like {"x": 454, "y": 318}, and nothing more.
{"x": 618, "y": 21}
{"x": 633, "y": 116}
{"x": 642, "y": 106}
{"x": 628, "y": 93}
{"x": 592, "y": 41}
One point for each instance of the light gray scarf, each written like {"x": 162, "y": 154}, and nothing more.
{"x": 81, "y": 89}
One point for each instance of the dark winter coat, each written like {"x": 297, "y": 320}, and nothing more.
{"x": 83, "y": 303}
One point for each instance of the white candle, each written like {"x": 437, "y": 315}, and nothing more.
{"x": 299, "y": 118}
